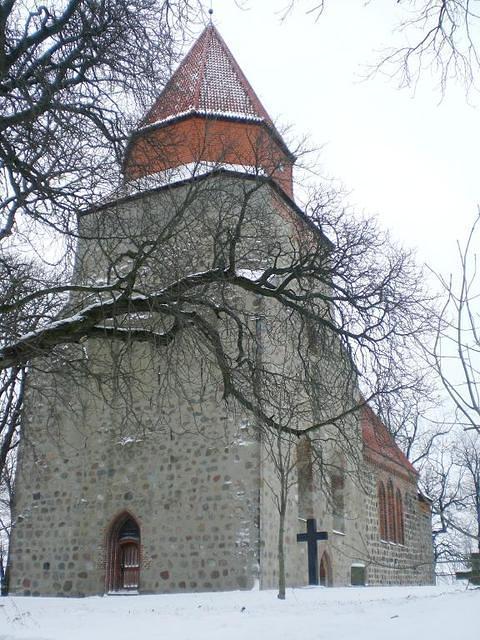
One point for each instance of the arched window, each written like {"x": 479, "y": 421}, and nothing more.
{"x": 304, "y": 478}
{"x": 382, "y": 511}
{"x": 337, "y": 479}
{"x": 400, "y": 520}
{"x": 123, "y": 554}
{"x": 325, "y": 571}
{"x": 391, "y": 515}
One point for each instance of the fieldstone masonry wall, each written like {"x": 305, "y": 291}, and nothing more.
{"x": 191, "y": 470}
{"x": 194, "y": 498}
{"x": 199, "y": 506}
{"x": 388, "y": 562}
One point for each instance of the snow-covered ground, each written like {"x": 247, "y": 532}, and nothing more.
{"x": 387, "y": 613}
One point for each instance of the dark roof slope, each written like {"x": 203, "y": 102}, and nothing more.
{"x": 380, "y": 446}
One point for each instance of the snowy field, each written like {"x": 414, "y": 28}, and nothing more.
{"x": 387, "y": 613}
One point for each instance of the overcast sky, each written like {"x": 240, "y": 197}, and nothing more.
{"x": 407, "y": 157}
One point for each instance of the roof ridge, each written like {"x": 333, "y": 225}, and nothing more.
{"x": 198, "y": 89}
{"x": 242, "y": 77}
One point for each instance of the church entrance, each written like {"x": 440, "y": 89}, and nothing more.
{"x": 123, "y": 555}
{"x": 325, "y": 571}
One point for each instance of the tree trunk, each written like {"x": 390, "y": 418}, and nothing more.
{"x": 477, "y": 505}
{"x": 281, "y": 553}
{"x": 3, "y": 581}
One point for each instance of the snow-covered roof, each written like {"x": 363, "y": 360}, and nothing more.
{"x": 180, "y": 173}
{"x": 208, "y": 81}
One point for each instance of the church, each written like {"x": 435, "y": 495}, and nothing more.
{"x": 135, "y": 474}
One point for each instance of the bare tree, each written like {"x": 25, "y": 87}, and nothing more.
{"x": 371, "y": 312}
{"x": 414, "y": 417}
{"x": 72, "y": 77}
{"x": 174, "y": 279}
{"x": 442, "y": 483}
{"x": 440, "y": 35}
{"x": 451, "y": 478}
{"x": 6, "y": 498}
{"x": 281, "y": 452}
{"x": 183, "y": 277}
{"x": 467, "y": 459}
{"x": 456, "y": 352}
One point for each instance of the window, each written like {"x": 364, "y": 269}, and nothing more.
{"x": 382, "y": 511}
{"x": 337, "y": 480}
{"x": 304, "y": 478}
{"x": 312, "y": 335}
{"x": 391, "y": 513}
{"x": 400, "y": 521}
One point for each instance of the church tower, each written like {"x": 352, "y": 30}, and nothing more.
{"x": 209, "y": 114}
{"x": 136, "y": 473}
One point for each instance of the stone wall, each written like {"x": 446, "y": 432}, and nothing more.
{"x": 358, "y": 545}
{"x": 111, "y": 428}
{"x": 393, "y": 563}
{"x": 190, "y": 480}
{"x": 205, "y": 506}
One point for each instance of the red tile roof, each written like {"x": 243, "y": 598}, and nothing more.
{"x": 208, "y": 81}
{"x": 380, "y": 446}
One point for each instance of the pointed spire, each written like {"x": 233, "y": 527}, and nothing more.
{"x": 209, "y": 81}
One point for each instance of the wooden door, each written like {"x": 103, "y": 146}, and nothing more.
{"x": 123, "y": 555}
{"x": 129, "y": 565}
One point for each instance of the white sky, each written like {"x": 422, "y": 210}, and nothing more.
{"x": 408, "y": 158}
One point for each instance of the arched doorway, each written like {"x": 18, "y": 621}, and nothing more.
{"x": 123, "y": 555}
{"x": 325, "y": 571}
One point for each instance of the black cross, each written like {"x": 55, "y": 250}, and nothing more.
{"x": 311, "y": 538}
